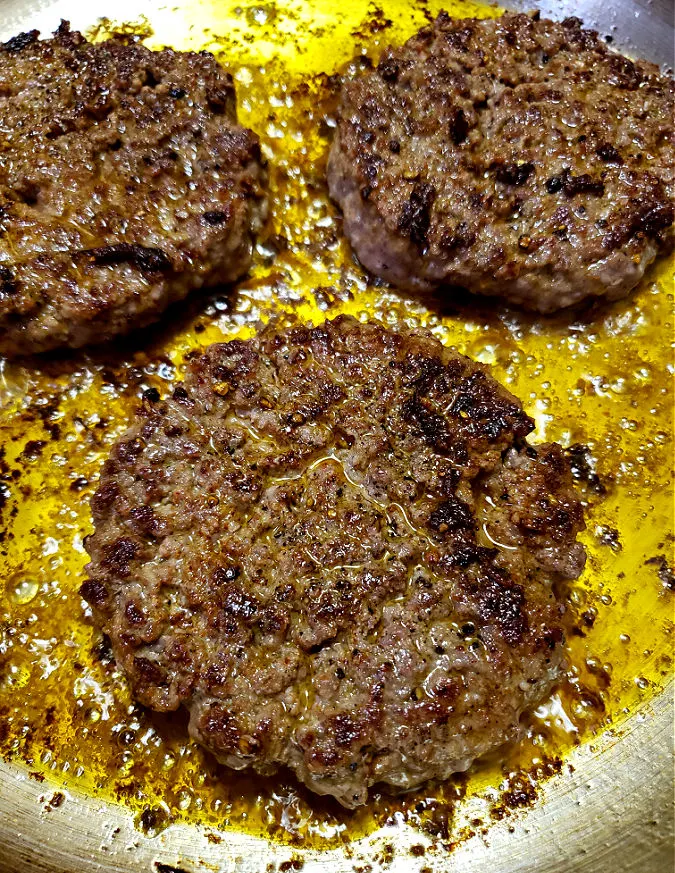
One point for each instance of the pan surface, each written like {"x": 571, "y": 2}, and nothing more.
{"x": 90, "y": 782}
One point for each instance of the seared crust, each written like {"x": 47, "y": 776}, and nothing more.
{"x": 517, "y": 157}
{"x": 334, "y": 546}
{"x": 125, "y": 183}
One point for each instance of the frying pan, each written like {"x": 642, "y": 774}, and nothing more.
{"x": 608, "y": 811}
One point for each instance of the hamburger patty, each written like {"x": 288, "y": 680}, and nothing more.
{"x": 516, "y": 157}
{"x": 125, "y": 183}
{"x": 334, "y": 546}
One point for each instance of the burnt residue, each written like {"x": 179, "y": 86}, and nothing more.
{"x": 216, "y": 217}
{"x": 33, "y": 449}
{"x": 388, "y": 69}
{"x": 664, "y": 571}
{"x": 609, "y": 536}
{"x": 522, "y": 789}
{"x": 459, "y": 126}
{"x": 55, "y": 801}
{"x": 583, "y": 464}
{"x": 291, "y": 864}
{"x": 160, "y": 867}
{"x": 451, "y": 515}
{"x": 503, "y": 600}
{"x": 581, "y": 184}
{"x": 607, "y": 153}
{"x": 153, "y": 820}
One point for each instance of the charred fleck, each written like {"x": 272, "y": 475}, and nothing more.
{"x": 608, "y": 154}
{"x": 584, "y": 184}
{"x": 21, "y": 41}
{"x": 451, "y": 515}
{"x": 503, "y": 600}
{"x": 459, "y": 126}
{"x": 94, "y": 592}
{"x": 215, "y": 218}
{"x": 8, "y": 283}
{"x": 119, "y": 554}
{"x": 388, "y": 69}
{"x": 415, "y": 218}
{"x": 147, "y": 260}
{"x": 583, "y": 466}
{"x": 514, "y": 174}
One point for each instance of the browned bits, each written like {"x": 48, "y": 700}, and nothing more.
{"x": 514, "y": 174}
{"x": 119, "y": 554}
{"x": 415, "y": 216}
{"x": 147, "y": 260}
{"x": 94, "y": 592}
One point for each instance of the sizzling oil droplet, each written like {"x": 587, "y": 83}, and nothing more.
{"x": 25, "y": 591}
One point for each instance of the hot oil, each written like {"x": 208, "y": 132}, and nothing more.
{"x": 600, "y": 379}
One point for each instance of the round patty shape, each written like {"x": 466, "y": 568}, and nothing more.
{"x": 516, "y": 157}
{"x": 335, "y": 547}
{"x": 125, "y": 183}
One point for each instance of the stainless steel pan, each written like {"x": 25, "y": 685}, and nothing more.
{"x": 611, "y": 810}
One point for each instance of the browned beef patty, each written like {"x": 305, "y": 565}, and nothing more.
{"x": 125, "y": 183}
{"x": 335, "y": 547}
{"x": 517, "y": 157}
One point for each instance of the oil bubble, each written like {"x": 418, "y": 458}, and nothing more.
{"x": 184, "y": 799}
{"x": 261, "y": 14}
{"x": 25, "y": 591}
{"x": 169, "y": 761}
